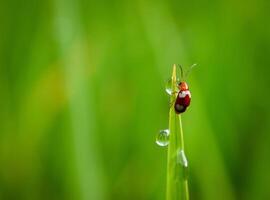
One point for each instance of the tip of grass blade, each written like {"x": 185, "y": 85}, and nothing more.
{"x": 174, "y": 74}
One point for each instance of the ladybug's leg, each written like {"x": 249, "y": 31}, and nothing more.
{"x": 171, "y": 103}
{"x": 174, "y": 99}
{"x": 175, "y": 92}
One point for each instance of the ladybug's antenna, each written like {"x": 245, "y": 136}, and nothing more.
{"x": 181, "y": 70}
{"x": 189, "y": 70}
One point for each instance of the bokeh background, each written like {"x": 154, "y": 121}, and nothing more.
{"x": 82, "y": 98}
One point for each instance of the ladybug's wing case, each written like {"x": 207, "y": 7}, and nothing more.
{"x": 187, "y": 100}
{"x": 182, "y": 101}
{"x": 185, "y": 97}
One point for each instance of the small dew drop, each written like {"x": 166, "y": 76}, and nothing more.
{"x": 162, "y": 138}
{"x": 182, "y": 160}
{"x": 168, "y": 88}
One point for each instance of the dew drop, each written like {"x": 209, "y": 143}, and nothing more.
{"x": 168, "y": 87}
{"x": 182, "y": 160}
{"x": 162, "y": 138}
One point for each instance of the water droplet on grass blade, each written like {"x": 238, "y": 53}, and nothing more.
{"x": 162, "y": 138}
{"x": 168, "y": 87}
{"x": 182, "y": 160}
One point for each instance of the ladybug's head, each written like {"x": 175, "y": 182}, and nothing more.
{"x": 182, "y": 86}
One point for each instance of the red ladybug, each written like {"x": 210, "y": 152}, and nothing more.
{"x": 183, "y": 96}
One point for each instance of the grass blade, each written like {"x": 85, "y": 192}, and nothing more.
{"x": 177, "y": 184}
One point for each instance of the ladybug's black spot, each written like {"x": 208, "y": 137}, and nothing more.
{"x": 179, "y": 108}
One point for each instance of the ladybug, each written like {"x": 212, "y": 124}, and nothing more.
{"x": 183, "y": 96}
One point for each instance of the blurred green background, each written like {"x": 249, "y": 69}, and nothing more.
{"x": 82, "y": 98}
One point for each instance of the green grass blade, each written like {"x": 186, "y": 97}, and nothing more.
{"x": 177, "y": 184}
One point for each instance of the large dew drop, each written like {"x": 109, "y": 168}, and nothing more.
{"x": 162, "y": 138}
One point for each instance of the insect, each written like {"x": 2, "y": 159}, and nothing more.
{"x": 183, "y": 96}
